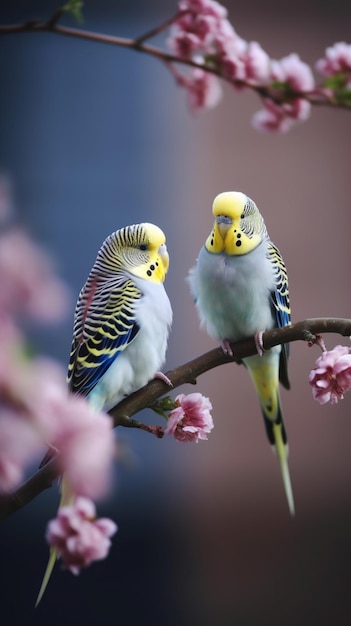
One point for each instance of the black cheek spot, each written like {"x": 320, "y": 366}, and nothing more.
{"x": 239, "y": 235}
{"x": 238, "y": 243}
{"x": 212, "y": 242}
{"x": 149, "y": 273}
{"x": 156, "y": 263}
{"x": 152, "y": 267}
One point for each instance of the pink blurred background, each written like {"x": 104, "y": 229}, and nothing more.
{"x": 95, "y": 137}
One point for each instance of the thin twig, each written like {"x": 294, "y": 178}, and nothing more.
{"x": 52, "y": 22}
{"x": 158, "y": 29}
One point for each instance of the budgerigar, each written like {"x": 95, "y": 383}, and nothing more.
{"x": 240, "y": 288}
{"x": 121, "y": 326}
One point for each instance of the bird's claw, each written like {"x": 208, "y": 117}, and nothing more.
{"x": 226, "y": 347}
{"x": 164, "y": 378}
{"x": 259, "y": 342}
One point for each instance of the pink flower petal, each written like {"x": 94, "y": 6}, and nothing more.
{"x": 337, "y": 59}
{"x": 78, "y": 537}
{"x": 19, "y": 444}
{"x": 191, "y": 420}
{"x": 331, "y": 377}
{"x": 292, "y": 70}
{"x": 86, "y": 444}
{"x": 204, "y": 90}
{"x": 28, "y": 282}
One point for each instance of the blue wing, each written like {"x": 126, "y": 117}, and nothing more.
{"x": 104, "y": 326}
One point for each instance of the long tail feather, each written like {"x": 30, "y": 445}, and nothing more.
{"x": 67, "y": 498}
{"x": 277, "y": 437}
{"x": 47, "y": 575}
{"x": 282, "y": 454}
{"x": 265, "y": 375}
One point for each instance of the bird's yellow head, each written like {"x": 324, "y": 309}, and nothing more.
{"x": 238, "y": 228}
{"x": 140, "y": 249}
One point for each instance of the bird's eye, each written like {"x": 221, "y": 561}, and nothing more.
{"x": 143, "y": 246}
{"x": 242, "y": 216}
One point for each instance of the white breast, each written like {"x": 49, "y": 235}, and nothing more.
{"x": 232, "y": 293}
{"x": 139, "y": 362}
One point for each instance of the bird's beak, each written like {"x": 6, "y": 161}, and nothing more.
{"x": 223, "y": 223}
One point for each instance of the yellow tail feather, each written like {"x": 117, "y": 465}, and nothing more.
{"x": 67, "y": 498}
{"x": 264, "y": 372}
{"x": 47, "y": 575}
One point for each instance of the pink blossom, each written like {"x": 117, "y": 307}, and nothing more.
{"x": 281, "y": 117}
{"x": 199, "y": 25}
{"x": 83, "y": 439}
{"x": 191, "y": 420}
{"x": 37, "y": 382}
{"x": 204, "y": 90}
{"x": 87, "y": 450}
{"x": 28, "y": 283}
{"x": 183, "y": 44}
{"x": 271, "y": 119}
{"x": 78, "y": 537}
{"x": 204, "y": 7}
{"x": 231, "y": 50}
{"x": 331, "y": 377}
{"x": 35, "y": 391}
{"x": 337, "y": 59}
{"x": 293, "y": 71}
{"x": 257, "y": 64}
{"x": 34, "y": 388}
{"x": 10, "y": 357}
{"x": 19, "y": 444}
{"x": 202, "y": 33}
{"x": 23, "y": 383}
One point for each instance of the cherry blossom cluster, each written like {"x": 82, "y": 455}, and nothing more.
{"x": 36, "y": 409}
{"x": 331, "y": 377}
{"x": 190, "y": 419}
{"x": 35, "y": 406}
{"x": 78, "y": 537}
{"x": 202, "y": 35}
{"x": 337, "y": 61}
{"x": 29, "y": 285}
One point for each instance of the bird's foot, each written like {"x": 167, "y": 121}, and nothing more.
{"x": 164, "y": 378}
{"x": 259, "y": 342}
{"x": 226, "y": 347}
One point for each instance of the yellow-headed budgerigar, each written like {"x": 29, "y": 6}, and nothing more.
{"x": 121, "y": 326}
{"x": 240, "y": 288}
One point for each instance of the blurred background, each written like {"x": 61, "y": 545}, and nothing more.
{"x": 95, "y": 137}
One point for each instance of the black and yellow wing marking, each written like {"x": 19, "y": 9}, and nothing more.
{"x": 280, "y": 306}
{"x": 104, "y": 326}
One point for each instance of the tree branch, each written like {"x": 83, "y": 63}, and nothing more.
{"x": 188, "y": 373}
{"x": 314, "y": 97}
